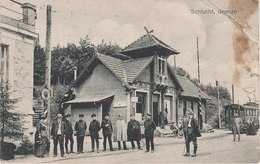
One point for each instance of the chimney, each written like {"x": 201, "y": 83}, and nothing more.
{"x": 29, "y": 13}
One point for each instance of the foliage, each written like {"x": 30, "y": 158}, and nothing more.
{"x": 25, "y": 147}
{"x": 39, "y": 66}
{"x": 66, "y": 59}
{"x": 11, "y": 123}
{"x": 181, "y": 72}
{"x": 58, "y": 94}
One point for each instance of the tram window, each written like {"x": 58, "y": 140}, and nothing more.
{"x": 255, "y": 112}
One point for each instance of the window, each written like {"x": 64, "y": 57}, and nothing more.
{"x": 4, "y": 62}
{"x": 162, "y": 65}
{"x": 141, "y": 104}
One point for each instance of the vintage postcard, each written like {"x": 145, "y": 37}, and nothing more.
{"x": 133, "y": 81}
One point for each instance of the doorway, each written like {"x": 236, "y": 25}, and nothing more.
{"x": 156, "y": 110}
{"x": 105, "y": 108}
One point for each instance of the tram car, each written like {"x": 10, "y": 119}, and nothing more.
{"x": 248, "y": 113}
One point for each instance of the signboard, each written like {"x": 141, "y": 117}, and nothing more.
{"x": 45, "y": 94}
{"x": 119, "y": 104}
{"x": 134, "y": 99}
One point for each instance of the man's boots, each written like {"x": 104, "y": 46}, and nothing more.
{"x": 194, "y": 152}
{"x": 119, "y": 145}
{"x": 97, "y": 147}
{"x": 187, "y": 150}
{"x": 92, "y": 150}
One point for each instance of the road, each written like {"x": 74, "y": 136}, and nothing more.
{"x": 218, "y": 150}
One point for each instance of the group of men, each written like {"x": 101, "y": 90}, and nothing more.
{"x": 121, "y": 132}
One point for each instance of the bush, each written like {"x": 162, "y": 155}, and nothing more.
{"x": 25, "y": 147}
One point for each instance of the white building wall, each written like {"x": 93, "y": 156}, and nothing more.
{"x": 21, "y": 60}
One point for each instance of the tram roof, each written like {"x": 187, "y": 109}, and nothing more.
{"x": 233, "y": 106}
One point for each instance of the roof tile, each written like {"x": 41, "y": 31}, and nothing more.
{"x": 190, "y": 89}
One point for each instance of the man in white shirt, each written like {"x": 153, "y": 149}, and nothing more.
{"x": 57, "y": 133}
{"x": 192, "y": 133}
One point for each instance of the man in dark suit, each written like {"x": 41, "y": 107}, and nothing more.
{"x": 134, "y": 132}
{"x": 80, "y": 128}
{"x": 57, "y": 133}
{"x": 106, "y": 125}
{"x": 94, "y": 128}
{"x": 192, "y": 133}
{"x": 149, "y": 127}
{"x": 68, "y": 134}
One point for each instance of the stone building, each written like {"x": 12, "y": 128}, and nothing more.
{"x": 17, "y": 43}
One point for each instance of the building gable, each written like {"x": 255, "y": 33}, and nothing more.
{"x": 100, "y": 82}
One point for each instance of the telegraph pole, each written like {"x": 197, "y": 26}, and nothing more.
{"x": 48, "y": 66}
{"x": 199, "y": 104}
{"x": 219, "y": 118}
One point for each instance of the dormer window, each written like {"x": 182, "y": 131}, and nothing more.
{"x": 162, "y": 65}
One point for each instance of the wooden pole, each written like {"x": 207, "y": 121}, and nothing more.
{"x": 48, "y": 65}
{"x": 233, "y": 98}
{"x": 199, "y": 104}
{"x": 219, "y": 118}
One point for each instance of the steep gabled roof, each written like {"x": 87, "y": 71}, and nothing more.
{"x": 134, "y": 67}
{"x": 146, "y": 41}
{"x": 113, "y": 64}
{"x": 117, "y": 65}
{"x": 190, "y": 89}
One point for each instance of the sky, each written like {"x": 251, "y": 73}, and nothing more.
{"x": 228, "y": 44}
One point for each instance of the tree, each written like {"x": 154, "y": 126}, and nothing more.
{"x": 39, "y": 66}
{"x": 181, "y": 72}
{"x": 11, "y": 124}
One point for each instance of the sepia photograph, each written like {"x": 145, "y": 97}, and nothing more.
{"x": 129, "y": 81}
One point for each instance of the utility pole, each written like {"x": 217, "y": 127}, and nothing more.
{"x": 48, "y": 66}
{"x": 233, "y": 98}
{"x": 199, "y": 104}
{"x": 219, "y": 118}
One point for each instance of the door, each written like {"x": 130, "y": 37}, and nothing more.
{"x": 156, "y": 109}
{"x": 105, "y": 108}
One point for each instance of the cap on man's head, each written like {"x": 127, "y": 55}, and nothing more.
{"x": 120, "y": 115}
{"x": 81, "y": 115}
{"x": 148, "y": 114}
{"x": 106, "y": 114}
{"x": 93, "y": 115}
{"x": 59, "y": 115}
{"x": 67, "y": 115}
{"x": 132, "y": 115}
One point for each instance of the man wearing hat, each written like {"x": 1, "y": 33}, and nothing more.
{"x": 94, "y": 128}
{"x": 192, "y": 132}
{"x": 57, "y": 133}
{"x": 134, "y": 132}
{"x": 80, "y": 128}
{"x": 149, "y": 127}
{"x": 68, "y": 134}
{"x": 106, "y": 125}
{"x": 237, "y": 123}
